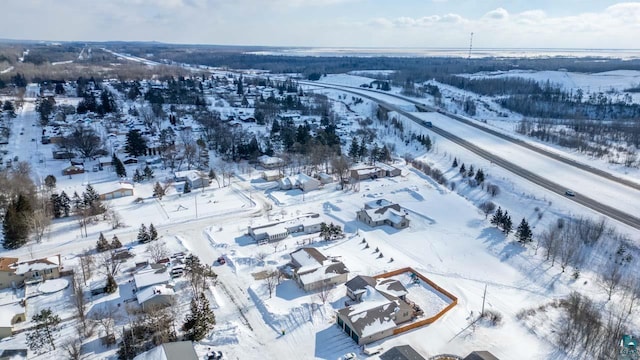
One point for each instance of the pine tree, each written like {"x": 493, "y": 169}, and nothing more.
{"x": 137, "y": 176}
{"x": 496, "y": 219}
{"x": 65, "y": 203}
{"x": 56, "y": 205}
{"x": 121, "y": 171}
{"x": 200, "y": 321}
{"x": 158, "y": 191}
{"x": 463, "y": 170}
{"x": 143, "y": 235}
{"x": 362, "y": 149}
{"x": 153, "y": 233}
{"x": 16, "y": 223}
{"x": 115, "y": 242}
{"x": 77, "y": 202}
{"x": 507, "y": 225}
{"x": 354, "y": 149}
{"x": 112, "y": 285}
{"x": 148, "y": 172}
{"x": 102, "y": 244}
{"x": 91, "y": 200}
{"x": 43, "y": 333}
{"x": 455, "y": 163}
{"x": 471, "y": 172}
{"x": 523, "y": 232}
{"x": 480, "y": 176}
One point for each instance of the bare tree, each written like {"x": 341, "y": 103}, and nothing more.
{"x": 324, "y": 293}
{"x": 106, "y": 317}
{"x": 632, "y": 286}
{"x": 80, "y": 301}
{"x": 271, "y": 280}
{"x": 341, "y": 165}
{"x": 86, "y": 265}
{"x": 157, "y": 250}
{"x": 610, "y": 277}
{"x": 569, "y": 248}
{"x": 40, "y": 222}
{"x": 109, "y": 263}
{"x": 487, "y": 208}
{"x": 73, "y": 348}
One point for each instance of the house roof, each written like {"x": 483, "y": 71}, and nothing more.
{"x": 149, "y": 276}
{"x": 308, "y": 256}
{"x": 179, "y": 350}
{"x": 8, "y": 312}
{"x": 326, "y": 271}
{"x": 191, "y": 175}
{"x": 109, "y": 187}
{"x": 402, "y": 352}
{"x": 391, "y": 287}
{"x": 481, "y": 355}
{"x": 371, "y": 316}
{"x": 6, "y": 262}
{"x": 151, "y": 292}
{"x": 376, "y": 204}
{"x": 38, "y": 264}
{"x": 385, "y": 213}
{"x": 360, "y": 282}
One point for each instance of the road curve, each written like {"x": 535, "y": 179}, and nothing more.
{"x": 606, "y": 210}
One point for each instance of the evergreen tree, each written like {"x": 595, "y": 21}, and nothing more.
{"x": 240, "y": 89}
{"x": 362, "y": 149}
{"x": 200, "y": 321}
{"x": 507, "y": 225}
{"x": 137, "y": 176}
{"x": 102, "y": 244}
{"x": 136, "y": 145}
{"x": 65, "y": 203}
{"x": 16, "y": 223}
{"x": 158, "y": 191}
{"x": 354, "y": 149}
{"x": 115, "y": 242}
{"x": 523, "y": 232}
{"x": 148, "y": 172}
{"x": 153, "y": 233}
{"x": 455, "y": 163}
{"x": 187, "y": 187}
{"x": 56, "y": 205}
{"x": 121, "y": 171}
{"x": 471, "y": 172}
{"x": 112, "y": 285}
{"x": 43, "y": 333}
{"x": 77, "y": 202}
{"x": 143, "y": 234}
{"x": 385, "y": 153}
{"x": 496, "y": 219}
{"x": 463, "y": 170}
{"x": 480, "y": 176}
{"x": 91, "y": 200}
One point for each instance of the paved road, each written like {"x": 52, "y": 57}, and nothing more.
{"x": 606, "y": 210}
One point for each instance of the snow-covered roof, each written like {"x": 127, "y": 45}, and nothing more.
{"x": 151, "y": 292}
{"x": 179, "y": 350}
{"x": 392, "y": 287}
{"x": 379, "y": 203}
{"x": 36, "y": 265}
{"x": 148, "y": 277}
{"x": 191, "y": 175}
{"x": 373, "y": 315}
{"x": 270, "y": 160}
{"x": 328, "y": 270}
{"x": 105, "y": 188}
{"x": 308, "y": 257}
{"x": 387, "y": 214}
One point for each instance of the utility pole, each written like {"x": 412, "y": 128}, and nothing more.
{"x": 484, "y": 296}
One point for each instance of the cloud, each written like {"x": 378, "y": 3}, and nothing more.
{"x": 497, "y": 14}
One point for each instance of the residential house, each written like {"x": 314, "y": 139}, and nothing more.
{"x": 114, "y": 190}
{"x": 11, "y": 314}
{"x": 279, "y": 230}
{"x": 130, "y": 160}
{"x": 402, "y": 352}
{"x": 313, "y": 270}
{"x": 196, "y": 178}
{"x": 375, "y": 317}
{"x": 73, "y": 170}
{"x": 152, "y": 287}
{"x": 179, "y": 350}
{"x": 380, "y": 170}
{"x": 15, "y": 274}
{"x": 271, "y": 175}
{"x": 105, "y": 161}
{"x": 299, "y": 181}
{"x": 270, "y": 162}
{"x": 383, "y": 212}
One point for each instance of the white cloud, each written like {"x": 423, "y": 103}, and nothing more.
{"x": 497, "y": 14}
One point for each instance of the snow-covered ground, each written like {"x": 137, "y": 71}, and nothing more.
{"x": 449, "y": 240}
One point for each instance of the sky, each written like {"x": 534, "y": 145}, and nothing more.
{"x": 593, "y": 24}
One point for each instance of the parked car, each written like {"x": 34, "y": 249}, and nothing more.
{"x": 569, "y": 193}
{"x": 350, "y": 356}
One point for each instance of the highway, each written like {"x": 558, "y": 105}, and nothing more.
{"x": 592, "y": 204}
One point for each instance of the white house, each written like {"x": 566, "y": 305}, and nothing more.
{"x": 383, "y": 212}
{"x": 299, "y": 181}
{"x": 155, "y": 296}
{"x": 196, "y": 179}
{"x": 179, "y": 350}
{"x": 115, "y": 190}
{"x": 270, "y": 162}
{"x": 151, "y": 275}
{"x": 313, "y": 270}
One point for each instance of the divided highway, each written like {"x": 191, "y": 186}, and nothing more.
{"x": 604, "y": 209}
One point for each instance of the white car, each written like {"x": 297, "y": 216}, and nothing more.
{"x": 350, "y": 356}
{"x": 569, "y": 193}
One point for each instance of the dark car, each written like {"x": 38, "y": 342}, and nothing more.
{"x": 569, "y": 193}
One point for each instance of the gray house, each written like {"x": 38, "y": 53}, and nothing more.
{"x": 402, "y": 352}
{"x": 383, "y": 212}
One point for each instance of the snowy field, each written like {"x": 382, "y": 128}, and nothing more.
{"x": 449, "y": 240}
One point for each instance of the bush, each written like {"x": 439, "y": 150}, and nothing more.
{"x": 494, "y": 317}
